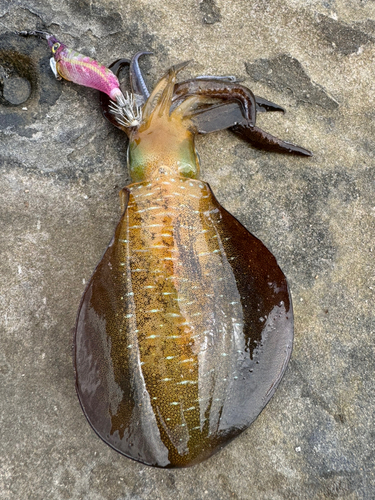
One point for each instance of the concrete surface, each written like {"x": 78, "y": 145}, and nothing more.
{"x": 62, "y": 166}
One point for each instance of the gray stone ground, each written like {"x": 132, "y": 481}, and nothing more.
{"x": 62, "y": 166}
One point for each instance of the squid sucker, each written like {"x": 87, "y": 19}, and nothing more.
{"x": 185, "y": 328}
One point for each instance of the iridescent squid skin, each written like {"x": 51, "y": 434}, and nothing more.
{"x": 186, "y": 326}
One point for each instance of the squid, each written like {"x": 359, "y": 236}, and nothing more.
{"x": 185, "y": 328}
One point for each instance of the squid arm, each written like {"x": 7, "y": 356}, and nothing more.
{"x": 234, "y": 107}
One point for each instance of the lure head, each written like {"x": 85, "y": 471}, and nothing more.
{"x": 55, "y": 46}
{"x": 164, "y": 139}
{"x": 56, "y": 49}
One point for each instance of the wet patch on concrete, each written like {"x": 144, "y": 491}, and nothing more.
{"x": 27, "y": 88}
{"x": 16, "y": 90}
{"x": 287, "y": 75}
{"x": 211, "y": 12}
{"x": 18, "y": 77}
{"x": 101, "y": 13}
{"x": 343, "y": 38}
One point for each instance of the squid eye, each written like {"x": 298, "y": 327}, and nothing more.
{"x": 55, "y": 46}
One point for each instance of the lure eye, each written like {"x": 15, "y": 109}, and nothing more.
{"x": 55, "y": 46}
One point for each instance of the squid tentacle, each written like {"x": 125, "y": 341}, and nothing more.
{"x": 105, "y": 101}
{"x": 236, "y": 109}
{"x": 139, "y": 86}
{"x": 227, "y": 78}
{"x": 263, "y": 140}
{"x": 223, "y": 90}
{"x": 137, "y": 82}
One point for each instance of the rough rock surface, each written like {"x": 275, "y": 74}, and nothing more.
{"x": 61, "y": 168}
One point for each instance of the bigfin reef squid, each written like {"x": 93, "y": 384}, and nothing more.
{"x": 185, "y": 328}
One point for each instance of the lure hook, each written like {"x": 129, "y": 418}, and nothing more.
{"x": 40, "y": 34}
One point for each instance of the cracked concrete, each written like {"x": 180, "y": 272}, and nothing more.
{"x": 62, "y": 166}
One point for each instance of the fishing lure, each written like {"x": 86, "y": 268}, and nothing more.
{"x": 73, "y": 66}
{"x": 185, "y": 328}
